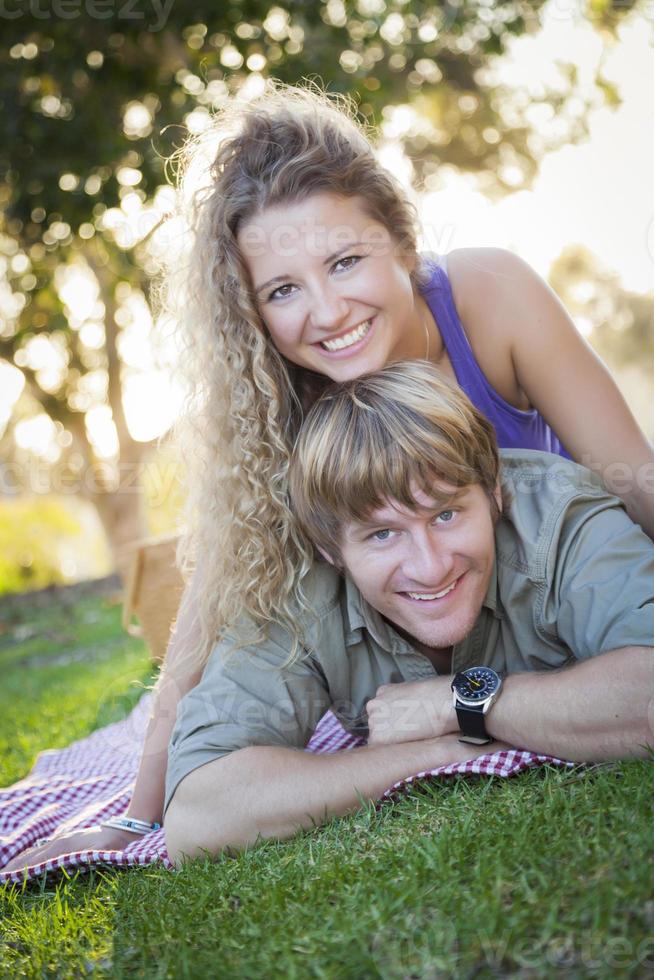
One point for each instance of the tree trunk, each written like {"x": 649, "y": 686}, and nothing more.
{"x": 117, "y": 489}
{"x": 122, "y": 514}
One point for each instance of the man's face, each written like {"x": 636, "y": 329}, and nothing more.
{"x": 426, "y": 570}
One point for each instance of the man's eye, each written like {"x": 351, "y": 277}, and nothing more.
{"x": 445, "y": 516}
{"x": 281, "y": 292}
{"x": 382, "y": 535}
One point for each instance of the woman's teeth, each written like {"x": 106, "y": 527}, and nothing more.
{"x": 348, "y": 339}
{"x": 425, "y": 596}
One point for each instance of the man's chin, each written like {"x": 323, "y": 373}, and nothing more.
{"x": 441, "y": 636}
{"x": 442, "y": 641}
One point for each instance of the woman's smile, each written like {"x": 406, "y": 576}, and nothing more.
{"x": 349, "y": 341}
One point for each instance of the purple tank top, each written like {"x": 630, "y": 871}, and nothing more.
{"x": 515, "y": 429}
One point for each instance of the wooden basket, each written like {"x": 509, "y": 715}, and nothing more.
{"x": 153, "y": 592}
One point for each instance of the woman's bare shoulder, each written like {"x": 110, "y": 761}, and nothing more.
{"x": 483, "y": 277}
{"x": 493, "y": 290}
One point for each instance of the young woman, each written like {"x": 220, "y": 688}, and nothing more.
{"x": 304, "y": 267}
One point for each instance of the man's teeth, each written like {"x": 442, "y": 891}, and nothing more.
{"x": 431, "y": 595}
{"x": 348, "y": 339}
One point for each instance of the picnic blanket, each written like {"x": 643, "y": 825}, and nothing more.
{"x": 92, "y": 779}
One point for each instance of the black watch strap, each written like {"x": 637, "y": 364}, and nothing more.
{"x": 472, "y": 724}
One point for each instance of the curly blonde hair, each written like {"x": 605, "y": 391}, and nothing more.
{"x": 245, "y": 402}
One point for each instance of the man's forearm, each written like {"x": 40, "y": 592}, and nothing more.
{"x": 599, "y": 709}
{"x": 266, "y": 791}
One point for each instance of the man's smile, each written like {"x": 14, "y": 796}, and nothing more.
{"x": 432, "y": 597}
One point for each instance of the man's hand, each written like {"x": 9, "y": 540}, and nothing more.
{"x": 411, "y": 712}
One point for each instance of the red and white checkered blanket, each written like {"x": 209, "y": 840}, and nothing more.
{"x": 77, "y": 787}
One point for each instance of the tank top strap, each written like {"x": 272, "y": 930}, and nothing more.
{"x": 440, "y": 299}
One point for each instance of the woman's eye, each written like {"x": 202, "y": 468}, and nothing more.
{"x": 348, "y": 262}
{"x": 281, "y": 292}
{"x": 445, "y": 516}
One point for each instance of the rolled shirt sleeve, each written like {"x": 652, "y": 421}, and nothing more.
{"x": 246, "y": 697}
{"x": 602, "y": 575}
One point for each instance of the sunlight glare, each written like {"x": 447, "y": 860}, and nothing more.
{"x": 39, "y": 435}
{"x": 152, "y": 402}
{"x": 78, "y": 291}
{"x": 101, "y": 431}
{"x": 134, "y": 341}
{"x": 391, "y": 155}
{"x": 12, "y": 384}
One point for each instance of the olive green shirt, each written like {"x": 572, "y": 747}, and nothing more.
{"x": 573, "y": 578}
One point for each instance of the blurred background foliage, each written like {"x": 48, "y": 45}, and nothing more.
{"x": 36, "y": 538}
{"x": 94, "y": 98}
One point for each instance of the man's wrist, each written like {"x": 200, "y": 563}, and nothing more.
{"x": 448, "y": 722}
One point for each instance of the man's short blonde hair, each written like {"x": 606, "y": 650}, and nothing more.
{"x": 380, "y": 436}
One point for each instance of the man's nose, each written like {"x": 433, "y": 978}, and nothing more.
{"x": 428, "y": 562}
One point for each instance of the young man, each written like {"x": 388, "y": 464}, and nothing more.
{"x": 527, "y": 582}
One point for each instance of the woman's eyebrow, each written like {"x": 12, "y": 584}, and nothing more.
{"x": 286, "y": 276}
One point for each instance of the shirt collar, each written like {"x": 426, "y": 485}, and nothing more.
{"x": 490, "y": 599}
{"x": 361, "y": 615}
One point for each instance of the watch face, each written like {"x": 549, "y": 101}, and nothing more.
{"x": 477, "y": 683}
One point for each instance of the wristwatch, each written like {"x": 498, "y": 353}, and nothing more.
{"x": 473, "y": 692}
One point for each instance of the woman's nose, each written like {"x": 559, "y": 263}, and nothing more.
{"x": 328, "y": 310}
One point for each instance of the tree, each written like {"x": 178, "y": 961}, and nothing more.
{"x": 618, "y": 323}
{"x": 94, "y": 95}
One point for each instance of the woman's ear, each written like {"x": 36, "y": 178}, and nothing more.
{"x": 410, "y": 263}
{"x": 497, "y": 497}
{"x": 326, "y": 556}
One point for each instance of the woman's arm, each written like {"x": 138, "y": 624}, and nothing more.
{"x": 175, "y": 680}
{"x": 147, "y": 800}
{"x": 529, "y": 349}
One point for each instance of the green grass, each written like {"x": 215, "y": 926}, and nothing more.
{"x": 548, "y": 874}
